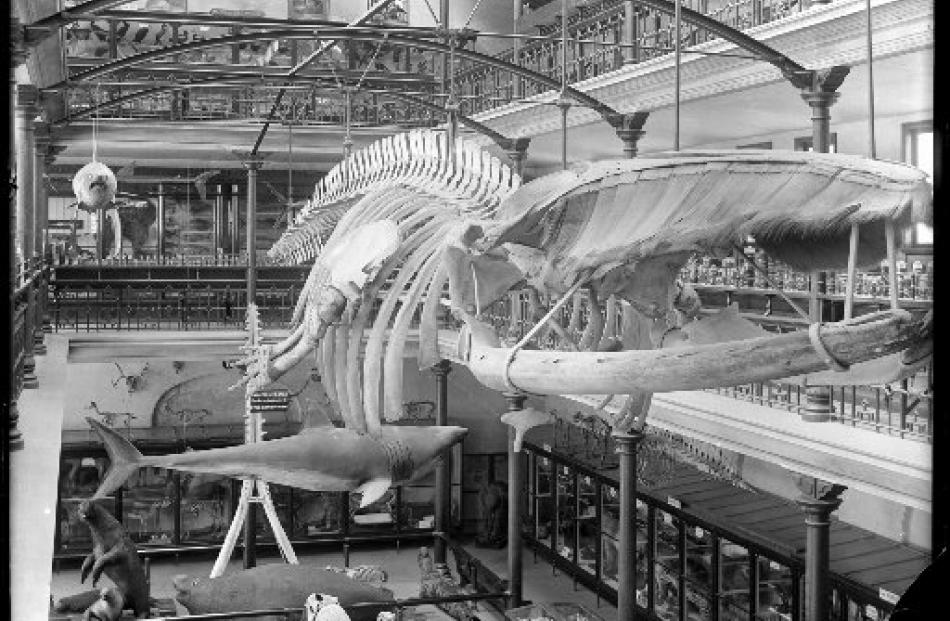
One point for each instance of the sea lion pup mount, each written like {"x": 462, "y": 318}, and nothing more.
{"x": 114, "y": 554}
{"x": 620, "y": 228}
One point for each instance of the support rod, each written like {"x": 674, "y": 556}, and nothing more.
{"x": 872, "y": 146}
{"x": 677, "y": 87}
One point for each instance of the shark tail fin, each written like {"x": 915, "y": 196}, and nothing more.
{"x": 125, "y": 458}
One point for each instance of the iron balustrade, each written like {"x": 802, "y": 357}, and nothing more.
{"x": 162, "y": 296}
{"x": 688, "y": 567}
{"x": 596, "y": 45}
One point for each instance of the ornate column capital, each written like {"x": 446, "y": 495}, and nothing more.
{"x": 822, "y": 85}
{"x": 629, "y": 128}
{"x": 819, "y": 498}
{"x": 442, "y": 368}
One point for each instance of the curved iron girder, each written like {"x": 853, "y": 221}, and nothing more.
{"x": 613, "y": 117}
{"x": 507, "y": 144}
{"x": 799, "y": 76}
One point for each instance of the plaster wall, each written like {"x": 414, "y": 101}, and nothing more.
{"x": 166, "y": 387}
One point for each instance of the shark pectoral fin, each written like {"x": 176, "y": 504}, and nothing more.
{"x": 373, "y": 490}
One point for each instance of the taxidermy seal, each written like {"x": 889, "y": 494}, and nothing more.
{"x": 277, "y": 586}
{"x": 319, "y": 459}
{"x": 114, "y": 554}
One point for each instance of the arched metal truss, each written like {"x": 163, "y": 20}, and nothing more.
{"x": 799, "y": 76}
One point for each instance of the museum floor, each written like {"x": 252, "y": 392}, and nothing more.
{"x": 541, "y": 584}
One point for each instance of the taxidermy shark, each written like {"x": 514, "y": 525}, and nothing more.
{"x": 321, "y": 459}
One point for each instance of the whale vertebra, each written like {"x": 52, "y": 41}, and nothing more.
{"x": 317, "y": 459}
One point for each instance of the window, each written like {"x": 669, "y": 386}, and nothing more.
{"x": 918, "y": 150}
{"x": 804, "y": 143}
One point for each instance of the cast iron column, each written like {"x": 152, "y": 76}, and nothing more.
{"x": 443, "y": 468}
{"x": 252, "y": 165}
{"x": 40, "y": 224}
{"x": 14, "y": 437}
{"x": 27, "y": 98}
{"x": 818, "y": 500}
{"x": 627, "y": 444}
{"x": 41, "y": 214}
{"x": 820, "y": 98}
{"x": 515, "y": 402}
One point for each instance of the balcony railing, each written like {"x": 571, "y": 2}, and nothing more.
{"x": 600, "y": 41}
{"x": 595, "y": 34}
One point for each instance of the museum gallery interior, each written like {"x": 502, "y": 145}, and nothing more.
{"x": 538, "y": 310}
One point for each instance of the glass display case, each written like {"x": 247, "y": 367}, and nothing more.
{"x": 565, "y": 541}
{"x": 687, "y": 568}
{"x": 149, "y": 503}
{"x": 206, "y": 505}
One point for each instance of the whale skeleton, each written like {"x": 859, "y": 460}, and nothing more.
{"x": 618, "y": 230}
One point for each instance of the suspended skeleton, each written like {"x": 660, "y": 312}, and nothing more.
{"x": 622, "y": 230}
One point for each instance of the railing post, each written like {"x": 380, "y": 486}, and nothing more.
{"x": 443, "y": 468}
{"x": 515, "y": 402}
{"x": 818, "y": 500}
